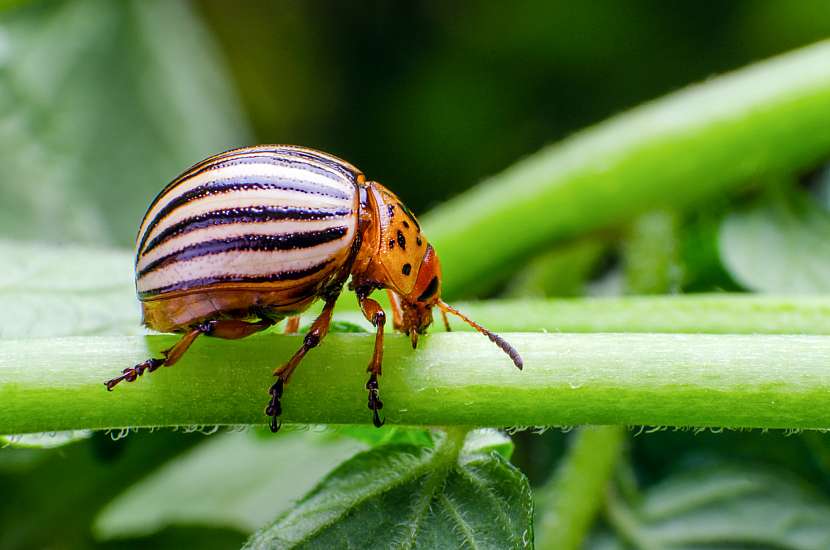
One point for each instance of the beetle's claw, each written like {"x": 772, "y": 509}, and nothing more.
{"x": 274, "y": 408}
{"x": 375, "y": 404}
{"x": 376, "y": 419}
{"x": 275, "y": 424}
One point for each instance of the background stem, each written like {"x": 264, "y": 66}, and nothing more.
{"x": 568, "y": 503}
{"x": 692, "y": 145}
{"x": 452, "y": 379}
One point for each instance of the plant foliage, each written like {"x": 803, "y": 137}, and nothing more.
{"x": 698, "y": 192}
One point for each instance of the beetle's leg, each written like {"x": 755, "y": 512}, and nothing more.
{"x": 292, "y": 324}
{"x": 170, "y": 356}
{"x": 315, "y": 334}
{"x": 447, "y": 326}
{"x": 397, "y": 310}
{"x": 375, "y": 315}
{"x": 229, "y": 329}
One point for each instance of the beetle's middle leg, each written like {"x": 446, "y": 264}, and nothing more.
{"x": 375, "y": 315}
{"x": 228, "y": 329}
{"x": 313, "y": 337}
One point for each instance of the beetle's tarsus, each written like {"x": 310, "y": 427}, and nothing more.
{"x": 375, "y": 404}
{"x": 132, "y": 374}
{"x": 312, "y": 339}
{"x": 274, "y": 408}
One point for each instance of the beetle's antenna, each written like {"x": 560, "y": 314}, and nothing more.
{"x": 495, "y": 338}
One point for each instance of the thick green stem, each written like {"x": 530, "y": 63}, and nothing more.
{"x": 780, "y": 381}
{"x": 569, "y": 502}
{"x": 690, "y": 146}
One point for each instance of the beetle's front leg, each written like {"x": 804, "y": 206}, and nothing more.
{"x": 375, "y": 315}
{"x": 315, "y": 334}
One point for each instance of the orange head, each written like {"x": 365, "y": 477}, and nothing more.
{"x": 416, "y": 306}
{"x": 397, "y": 256}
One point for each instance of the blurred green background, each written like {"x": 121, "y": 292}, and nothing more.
{"x": 103, "y": 102}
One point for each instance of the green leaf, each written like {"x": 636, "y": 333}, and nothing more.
{"x": 726, "y": 506}
{"x": 391, "y": 434}
{"x": 101, "y": 104}
{"x": 195, "y": 489}
{"x": 49, "y": 291}
{"x": 455, "y": 494}
{"x": 65, "y": 488}
{"x": 780, "y": 244}
{"x": 44, "y": 440}
{"x": 175, "y": 538}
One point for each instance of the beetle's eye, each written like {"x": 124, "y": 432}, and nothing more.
{"x": 430, "y": 290}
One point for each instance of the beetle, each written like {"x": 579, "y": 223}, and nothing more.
{"x": 251, "y": 236}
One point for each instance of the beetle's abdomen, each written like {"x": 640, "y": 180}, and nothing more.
{"x": 270, "y": 217}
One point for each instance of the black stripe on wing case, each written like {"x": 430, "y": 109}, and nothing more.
{"x": 246, "y": 243}
{"x": 207, "y": 281}
{"x": 336, "y": 164}
{"x": 283, "y": 157}
{"x": 238, "y": 184}
{"x": 249, "y": 214}
{"x": 336, "y": 173}
{"x": 300, "y": 158}
{"x": 331, "y": 168}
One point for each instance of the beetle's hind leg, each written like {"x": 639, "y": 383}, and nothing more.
{"x": 313, "y": 337}
{"x": 375, "y": 315}
{"x": 227, "y": 329}
{"x": 292, "y": 325}
{"x": 169, "y": 358}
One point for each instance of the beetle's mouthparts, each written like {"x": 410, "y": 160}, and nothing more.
{"x": 495, "y": 338}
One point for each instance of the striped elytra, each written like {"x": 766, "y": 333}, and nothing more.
{"x": 250, "y": 216}
{"x": 251, "y": 236}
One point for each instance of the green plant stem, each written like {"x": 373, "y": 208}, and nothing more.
{"x": 568, "y": 503}
{"x": 651, "y": 251}
{"x": 696, "y": 313}
{"x": 779, "y": 381}
{"x": 690, "y": 146}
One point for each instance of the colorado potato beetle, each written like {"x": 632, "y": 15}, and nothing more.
{"x": 251, "y": 236}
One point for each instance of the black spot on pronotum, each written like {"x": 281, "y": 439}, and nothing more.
{"x": 401, "y": 240}
{"x": 391, "y": 244}
{"x": 406, "y": 269}
{"x": 408, "y": 212}
{"x": 431, "y": 289}
{"x": 405, "y": 224}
